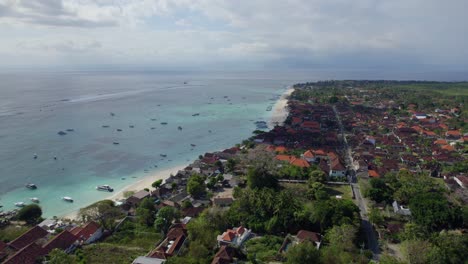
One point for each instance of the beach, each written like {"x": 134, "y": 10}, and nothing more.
{"x": 280, "y": 109}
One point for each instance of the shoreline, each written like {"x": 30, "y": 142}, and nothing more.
{"x": 280, "y": 110}
{"x": 141, "y": 184}
{"x": 278, "y": 115}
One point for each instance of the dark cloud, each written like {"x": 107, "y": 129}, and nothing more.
{"x": 48, "y": 13}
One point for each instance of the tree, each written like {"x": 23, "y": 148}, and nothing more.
{"x": 332, "y": 212}
{"x": 31, "y": 213}
{"x": 157, "y": 183}
{"x": 317, "y": 176}
{"x": 304, "y": 252}
{"x": 58, "y": 256}
{"x": 104, "y": 212}
{"x": 196, "y": 185}
{"x": 317, "y": 191}
{"x": 379, "y": 191}
{"x": 259, "y": 177}
{"x": 164, "y": 218}
{"x": 231, "y": 164}
{"x": 375, "y": 216}
{"x": 342, "y": 236}
{"x": 432, "y": 210}
{"x": 416, "y": 251}
{"x": 146, "y": 212}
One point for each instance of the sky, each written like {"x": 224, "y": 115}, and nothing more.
{"x": 237, "y": 34}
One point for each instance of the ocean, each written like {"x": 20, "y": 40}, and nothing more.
{"x": 153, "y": 116}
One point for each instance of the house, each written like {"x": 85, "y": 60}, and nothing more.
{"x": 32, "y": 235}
{"x": 373, "y": 174}
{"x": 225, "y": 255}
{"x": 399, "y": 209}
{"x": 453, "y": 134}
{"x": 462, "y": 181}
{"x": 64, "y": 241}
{"x": 29, "y": 254}
{"x": 300, "y": 237}
{"x": 48, "y": 224}
{"x": 309, "y": 156}
{"x": 222, "y": 201}
{"x": 136, "y": 198}
{"x": 88, "y": 233}
{"x": 172, "y": 244}
{"x": 236, "y": 236}
{"x": 337, "y": 168}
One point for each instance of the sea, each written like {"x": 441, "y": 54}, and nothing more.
{"x": 119, "y": 126}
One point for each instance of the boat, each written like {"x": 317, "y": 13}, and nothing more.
{"x": 20, "y": 204}
{"x": 163, "y": 123}
{"x": 31, "y": 186}
{"x": 153, "y": 119}
{"x": 131, "y": 126}
{"x": 105, "y": 187}
{"x": 185, "y": 82}
{"x": 61, "y": 133}
{"x": 115, "y": 143}
{"x": 153, "y": 128}
{"x": 193, "y": 145}
{"x": 112, "y": 114}
{"x": 35, "y": 156}
{"x": 196, "y": 114}
{"x": 118, "y": 129}
{"x": 67, "y": 199}
{"x": 34, "y": 200}
{"x": 105, "y": 126}
{"x": 179, "y": 127}
{"x": 70, "y": 130}
{"x": 163, "y": 155}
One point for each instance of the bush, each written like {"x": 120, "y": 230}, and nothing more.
{"x": 30, "y": 213}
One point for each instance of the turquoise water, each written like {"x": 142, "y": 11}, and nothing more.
{"x": 34, "y": 109}
{"x": 35, "y": 106}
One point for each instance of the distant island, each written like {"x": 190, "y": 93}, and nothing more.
{"x": 354, "y": 171}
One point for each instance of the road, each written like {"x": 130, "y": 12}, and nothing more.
{"x": 372, "y": 242}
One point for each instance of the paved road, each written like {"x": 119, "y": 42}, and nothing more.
{"x": 373, "y": 243}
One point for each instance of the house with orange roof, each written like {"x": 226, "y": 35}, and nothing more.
{"x": 236, "y": 236}
{"x": 440, "y": 142}
{"x": 309, "y": 156}
{"x": 373, "y": 174}
{"x": 281, "y": 149}
{"x": 453, "y": 134}
{"x": 287, "y": 158}
{"x": 300, "y": 163}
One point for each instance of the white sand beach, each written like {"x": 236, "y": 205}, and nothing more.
{"x": 137, "y": 186}
{"x": 280, "y": 109}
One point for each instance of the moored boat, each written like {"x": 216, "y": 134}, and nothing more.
{"x": 104, "y": 187}
{"x": 31, "y": 186}
{"x": 67, "y": 199}
{"x": 20, "y": 204}
{"x": 34, "y": 200}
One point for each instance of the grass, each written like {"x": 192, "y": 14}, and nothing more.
{"x": 343, "y": 190}
{"x": 111, "y": 254}
{"x": 450, "y": 89}
{"x": 135, "y": 235}
{"x": 11, "y": 232}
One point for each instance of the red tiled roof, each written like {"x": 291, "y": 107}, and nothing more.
{"x": 27, "y": 255}
{"x": 440, "y": 142}
{"x": 87, "y": 231}
{"x": 309, "y": 154}
{"x": 63, "y": 241}
{"x": 224, "y": 255}
{"x": 229, "y": 236}
{"x": 27, "y": 238}
{"x": 300, "y": 163}
{"x": 284, "y": 157}
{"x": 373, "y": 174}
{"x": 281, "y": 149}
{"x": 453, "y": 133}
{"x": 308, "y": 235}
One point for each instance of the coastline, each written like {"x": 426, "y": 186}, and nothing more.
{"x": 278, "y": 115}
{"x": 280, "y": 109}
{"x": 145, "y": 182}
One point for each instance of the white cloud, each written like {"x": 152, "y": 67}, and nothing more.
{"x": 337, "y": 32}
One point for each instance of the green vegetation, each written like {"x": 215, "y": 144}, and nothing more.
{"x": 103, "y": 212}
{"x": 305, "y": 252}
{"x": 263, "y": 249}
{"x": 10, "y": 232}
{"x": 31, "y": 214}
{"x": 196, "y": 185}
{"x": 164, "y": 218}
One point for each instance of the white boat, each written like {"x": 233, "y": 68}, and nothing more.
{"x": 20, "y": 204}
{"x": 105, "y": 187}
{"x": 67, "y": 199}
{"x": 34, "y": 200}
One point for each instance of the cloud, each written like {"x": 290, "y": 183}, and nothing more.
{"x": 306, "y": 33}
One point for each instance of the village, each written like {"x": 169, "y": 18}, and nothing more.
{"x": 340, "y": 181}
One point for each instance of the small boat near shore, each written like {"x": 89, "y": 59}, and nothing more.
{"x": 163, "y": 123}
{"x": 20, "y": 204}
{"x": 61, "y": 133}
{"x": 104, "y": 187}
{"x": 196, "y": 114}
{"x": 193, "y": 145}
{"x": 115, "y": 143}
{"x": 163, "y": 155}
{"x": 105, "y": 126}
{"x": 34, "y": 200}
{"x": 119, "y": 130}
{"x": 67, "y": 199}
{"x": 31, "y": 186}
{"x": 179, "y": 127}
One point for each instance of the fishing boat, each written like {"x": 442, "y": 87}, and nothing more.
{"x": 105, "y": 126}
{"x": 34, "y": 200}
{"x": 118, "y": 129}
{"x": 31, "y": 186}
{"x": 20, "y": 204}
{"x": 163, "y": 123}
{"x": 67, "y": 199}
{"x": 179, "y": 127}
{"x": 196, "y": 114}
{"x": 105, "y": 187}
{"x": 193, "y": 145}
{"x": 115, "y": 143}
{"x": 163, "y": 155}
{"x": 131, "y": 126}
{"x": 61, "y": 133}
